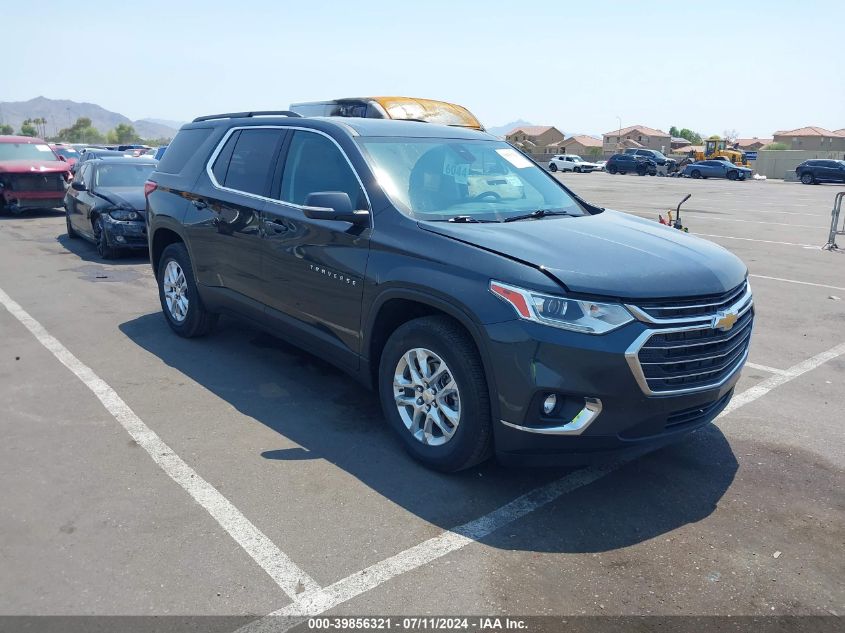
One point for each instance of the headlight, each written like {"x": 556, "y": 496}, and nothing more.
{"x": 124, "y": 214}
{"x": 578, "y": 315}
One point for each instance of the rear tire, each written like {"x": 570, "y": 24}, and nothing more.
{"x": 807, "y": 178}
{"x": 191, "y": 318}
{"x": 612, "y": 170}
{"x": 552, "y": 167}
{"x": 442, "y": 343}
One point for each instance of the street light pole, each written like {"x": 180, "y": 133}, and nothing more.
{"x": 619, "y": 134}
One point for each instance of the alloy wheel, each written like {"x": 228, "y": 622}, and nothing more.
{"x": 176, "y": 291}
{"x": 427, "y": 396}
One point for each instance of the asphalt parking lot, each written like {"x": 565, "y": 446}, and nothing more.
{"x": 146, "y": 474}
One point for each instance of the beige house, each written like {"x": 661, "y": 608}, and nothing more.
{"x": 584, "y": 146}
{"x": 636, "y": 136}
{"x": 812, "y": 138}
{"x": 753, "y": 144}
{"x": 540, "y": 141}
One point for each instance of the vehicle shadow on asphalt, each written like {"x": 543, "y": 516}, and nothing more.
{"x": 87, "y": 251}
{"x": 332, "y": 418}
{"x": 6, "y": 216}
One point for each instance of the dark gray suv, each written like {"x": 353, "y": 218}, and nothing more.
{"x": 494, "y": 310}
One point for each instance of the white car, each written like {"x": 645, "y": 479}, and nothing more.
{"x": 571, "y": 162}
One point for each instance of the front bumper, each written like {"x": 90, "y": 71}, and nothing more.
{"x": 603, "y": 409}
{"x": 125, "y": 233}
{"x": 33, "y": 199}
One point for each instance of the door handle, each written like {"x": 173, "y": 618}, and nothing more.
{"x": 277, "y": 224}
{"x": 200, "y": 204}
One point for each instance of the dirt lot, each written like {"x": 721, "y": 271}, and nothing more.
{"x": 147, "y": 474}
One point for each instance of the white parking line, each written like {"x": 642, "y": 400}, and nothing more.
{"x": 751, "y": 239}
{"x": 319, "y": 601}
{"x": 771, "y": 370}
{"x": 261, "y": 549}
{"x": 795, "y": 281}
{"x": 761, "y": 389}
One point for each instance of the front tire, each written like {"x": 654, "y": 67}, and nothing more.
{"x": 577, "y": 170}
{"x": 71, "y": 232}
{"x": 807, "y": 178}
{"x": 104, "y": 248}
{"x": 695, "y": 174}
{"x": 177, "y": 291}
{"x": 434, "y": 394}
{"x": 732, "y": 175}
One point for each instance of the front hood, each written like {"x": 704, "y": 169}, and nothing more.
{"x": 610, "y": 254}
{"x": 32, "y": 166}
{"x": 129, "y": 197}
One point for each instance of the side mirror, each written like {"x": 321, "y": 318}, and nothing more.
{"x": 78, "y": 185}
{"x": 62, "y": 158}
{"x": 333, "y": 205}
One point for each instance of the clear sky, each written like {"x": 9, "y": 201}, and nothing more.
{"x": 711, "y": 66}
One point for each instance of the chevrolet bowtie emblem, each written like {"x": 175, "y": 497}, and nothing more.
{"x": 724, "y": 320}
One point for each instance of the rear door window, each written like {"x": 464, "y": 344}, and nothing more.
{"x": 252, "y": 158}
{"x": 221, "y": 163}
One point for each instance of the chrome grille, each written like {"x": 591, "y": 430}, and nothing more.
{"x": 697, "y": 355}
{"x": 700, "y": 306}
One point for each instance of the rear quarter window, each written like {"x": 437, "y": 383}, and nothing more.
{"x": 182, "y": 148}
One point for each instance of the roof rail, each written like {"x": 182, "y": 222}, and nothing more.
{"x": 243, "y": 115}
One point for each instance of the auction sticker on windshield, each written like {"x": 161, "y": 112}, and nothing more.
{"x": 514, "y": 158}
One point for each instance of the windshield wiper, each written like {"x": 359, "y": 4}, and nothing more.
{"x": 467, "y": 219}
{"x": 539, "y": 213}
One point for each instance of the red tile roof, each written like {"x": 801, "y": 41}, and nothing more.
{"x": 745, "y": 142}
{"x": 530, "y": 130}
{"x": 809, "y": 131}
{"x": 648, "y": 131}
{"x": 583, "y": 139}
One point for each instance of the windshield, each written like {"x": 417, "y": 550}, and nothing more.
{"x": 67, "y": 152}
{"x": 26, "y": 151}
{"x": 439, "y": 179}
{"x": 122, "y": 175}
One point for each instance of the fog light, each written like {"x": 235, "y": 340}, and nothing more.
{"x": 120, "y": 238}
{"x": 549, "y": 404}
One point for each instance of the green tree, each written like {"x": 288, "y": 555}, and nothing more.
{"x": 6, "y": 129}
{"x": 673, "y": 131}
{"x": 122, "y": 134}
{"x": 28, "y": 129}
{"x": 693, "y": 137}
{"x": 778, "y": 146}
{"x": 594, "y": 152}
{"x": 81, "y": 132}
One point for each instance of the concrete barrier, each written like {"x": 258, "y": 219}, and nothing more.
{"x": 773, "y": 163}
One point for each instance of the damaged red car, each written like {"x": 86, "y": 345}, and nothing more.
{"x": 32, "y": 175}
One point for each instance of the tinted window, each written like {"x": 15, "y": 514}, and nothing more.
{"x": 252, "y": 160}
{"x": 315, "y": 163}
{"x": 181, "y": 149}
{"x": 221, "y": 164}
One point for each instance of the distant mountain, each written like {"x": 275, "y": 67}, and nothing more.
{"x": 507, "y": 127}
{"x": 62, "y": 113}
{"x": 166, "y": 122}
